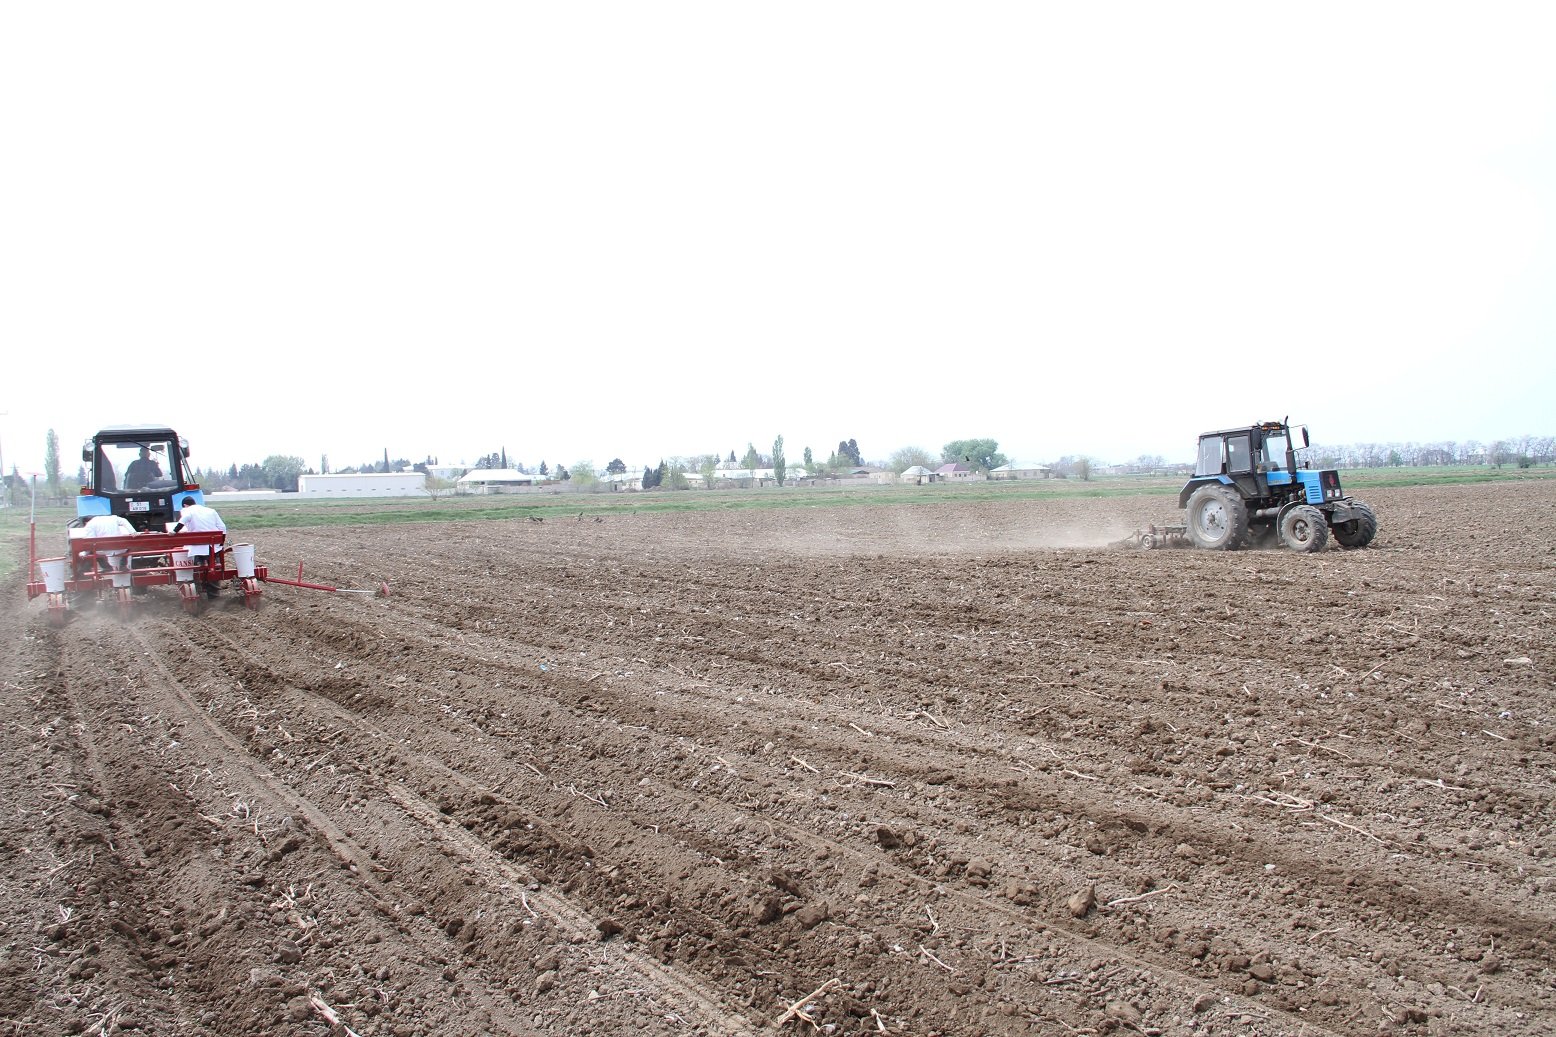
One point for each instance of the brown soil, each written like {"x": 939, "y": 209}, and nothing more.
{"x": 842, "y": 770}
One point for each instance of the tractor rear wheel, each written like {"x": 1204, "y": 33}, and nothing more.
{"x": 1359, "y": 531}
{"x": 1218, "y": 518}
{"x": 1304, "y": 529}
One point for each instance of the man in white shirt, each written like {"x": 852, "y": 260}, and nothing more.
{"x": 194, "y": 517}
{"x": 109, "y": 526}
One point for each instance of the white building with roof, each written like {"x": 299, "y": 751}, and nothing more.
{"x": 1020, "y": 470}
{"x": 363, "y": 484}
{"x": 495, "y": 480}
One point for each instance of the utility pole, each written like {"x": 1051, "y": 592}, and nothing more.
{"x": 5, "y": 498}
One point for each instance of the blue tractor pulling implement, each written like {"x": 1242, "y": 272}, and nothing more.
{"x": 1249, "y": 491}
{"x": 141, "y": 474}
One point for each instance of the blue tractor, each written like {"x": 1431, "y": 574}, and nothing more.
{"x": 1247, "y": 491}
{"x": 138, "y": 471}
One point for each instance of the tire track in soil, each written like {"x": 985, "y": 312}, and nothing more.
{"x": 427, "y": 810}
{"x": 1248, "y": 856}
{"x": 576, "y": 922}
{"x": 975, "y": 906}
{"x": 489, "y": 1005}
{"x": 1252, "y": 855}
{"x": 1208, "y": 699}
{"x": 709, "y": 788}
{"x": 1018, "y": 923}
{"x": 84, "y": 887}
{"x": 169, "y": 696}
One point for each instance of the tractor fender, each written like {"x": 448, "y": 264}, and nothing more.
{"x": 1280, "y": 515}
{"x": 1194, "y": 484}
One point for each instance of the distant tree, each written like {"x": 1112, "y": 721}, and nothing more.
{"x": 583, "y": 475}
{"x": 708, "y": 466}
{"x": 674, "y": 477}
{"x": 232, "y": 474}
{"x": 810, "y": 462}
{"x": 1499, "y": 453}
{"x": 562, "y": 474}
{"x": 324, "y": 464}
{"x": 982, "y": 454}
{"x": 616, "y": 467}
{"x": 543, "y": 468}
{"x": 780, "y": 465}
{"x": 655, "y": 477}
{"x": 1083, "y": 468}
{"x": 752, "y": 460}
{"x": 909, "y": 456}
{"x": 437, "y": 486}
{"x": 14, "y": 485}
{"x": 51, "y": 463}
{"x": 731, "y": 457}
{"x": 848, "y": 451}
{"x": 281, "y": 472}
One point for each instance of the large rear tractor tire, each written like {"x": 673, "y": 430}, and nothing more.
{"x": 1359, "y": 531}
{"x": 1218, "y": 519}
{"x": 1304, "y": 529}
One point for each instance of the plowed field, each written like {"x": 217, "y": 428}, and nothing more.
{"x": 930, "y": 769}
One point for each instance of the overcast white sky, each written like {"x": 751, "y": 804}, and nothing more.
{"x": 640, "y": 230}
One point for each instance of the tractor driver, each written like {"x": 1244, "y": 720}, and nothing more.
{"x": 142, "y": 471}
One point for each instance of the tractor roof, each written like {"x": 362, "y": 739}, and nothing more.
{"x": 112, "y": 433}
{"x": 1268, "y": 426}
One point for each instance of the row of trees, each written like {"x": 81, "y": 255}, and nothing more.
{"x": 1522, "y": 452}
{"x": 281, "y": 472}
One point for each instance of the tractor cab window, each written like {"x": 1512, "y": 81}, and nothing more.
{"x": 137, "y": 465}
{"x": 1210, "y": 455}
{"x": 1239, "y": 455}
{"x": 1275, "y": 452}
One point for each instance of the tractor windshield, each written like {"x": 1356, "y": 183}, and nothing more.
{"x": 130, "y": 466}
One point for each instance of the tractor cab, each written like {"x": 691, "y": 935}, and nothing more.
{"x": 1255, "y": 458}
{"x": 138, "y": 471}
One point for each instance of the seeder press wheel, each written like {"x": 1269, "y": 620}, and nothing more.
{"x": 189, "y": 592}
{"x": 251, "y": 591}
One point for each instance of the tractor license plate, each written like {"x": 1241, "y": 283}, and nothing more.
{"x": 140, "y": 505}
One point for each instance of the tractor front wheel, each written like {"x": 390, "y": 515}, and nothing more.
{"x": 1304, "y": 529}
{"x": 1218, "y": 518}
{"x": 1359, "y": 531}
